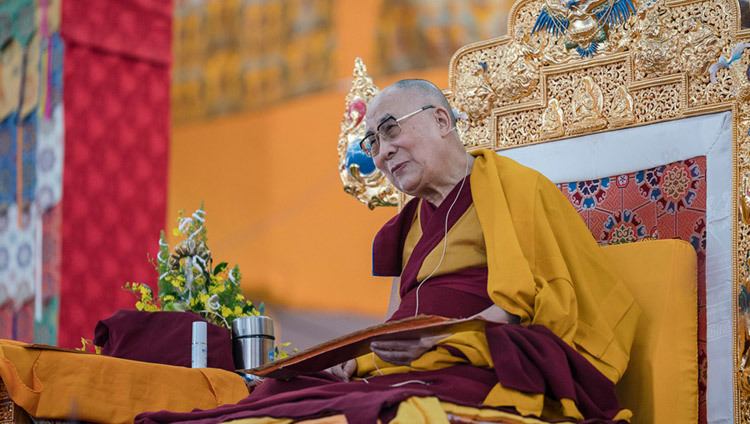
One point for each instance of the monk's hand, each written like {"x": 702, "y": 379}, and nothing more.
{"x": 344, "y": 370}
{"x": 403, "y": 352}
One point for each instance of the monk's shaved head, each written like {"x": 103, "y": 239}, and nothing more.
{"x": 429, "y": 90}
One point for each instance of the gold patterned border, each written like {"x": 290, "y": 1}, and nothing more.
{"x": 667, "y": 60}
{"x": 8, "y": 409}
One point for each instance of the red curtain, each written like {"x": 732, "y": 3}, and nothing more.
{"x": 116, "y": 99}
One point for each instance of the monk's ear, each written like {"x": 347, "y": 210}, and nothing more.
{"x": 444, "y": 120}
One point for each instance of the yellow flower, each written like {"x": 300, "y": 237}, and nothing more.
{"x": 240, "y": 297}
{"x": 225, "y": 312}
{"x": 237, "y": 310}
{"x": 175, "y": 231}
{"x": 139, "y": 305}
{"x": 204, "y": 298}
{"x": 167, "y": 298}
{"x": 176, "y": 283}
{"x": 145, "y": 292}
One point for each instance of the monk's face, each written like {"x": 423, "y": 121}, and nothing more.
{"x": 412, "y": 160}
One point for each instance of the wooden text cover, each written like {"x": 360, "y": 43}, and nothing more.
{"x": 336, "y": 351}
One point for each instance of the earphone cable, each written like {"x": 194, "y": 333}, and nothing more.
{"x": 445, "y": 236}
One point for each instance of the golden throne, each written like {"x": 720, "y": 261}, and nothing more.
{"x": 645, "y": 102}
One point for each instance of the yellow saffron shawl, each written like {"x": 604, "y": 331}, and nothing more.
{"x": 545, "y": 266}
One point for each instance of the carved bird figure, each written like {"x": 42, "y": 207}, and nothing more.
{"x": 583, "y": 23}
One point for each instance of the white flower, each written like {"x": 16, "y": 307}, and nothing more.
{"x": 213, "y": 302}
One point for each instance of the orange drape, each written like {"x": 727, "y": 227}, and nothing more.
{"x": 97, "y": 388}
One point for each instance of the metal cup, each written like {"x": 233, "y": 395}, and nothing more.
{"x": 252, "y": 341}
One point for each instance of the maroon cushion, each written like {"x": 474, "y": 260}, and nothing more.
{"x": 161, "y": 337}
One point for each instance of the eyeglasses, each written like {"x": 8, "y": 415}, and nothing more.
{"x": 388, "y": 130}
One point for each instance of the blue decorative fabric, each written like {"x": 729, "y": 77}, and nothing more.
{"x": 28, "y": 157}
{"x": 8, "y": 134}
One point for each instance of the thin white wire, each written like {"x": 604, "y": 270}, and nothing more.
{"x": 376, "y": 367}
{"x": 395, "y": 384}
{"x": 376, "y": 364}
{"x": 445, "y": 236}
{"x": 426, "y": 383}
{"x": 445, "y": 245}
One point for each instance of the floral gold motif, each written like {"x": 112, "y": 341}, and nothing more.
{"x": 517, "y": 74}
{"x": 740, "y": 80}
{"x": 655, "y": 45}
{"x": 371, "y": 188}
{"x": 700, "y": 48}
{"x": 479, "y": 98}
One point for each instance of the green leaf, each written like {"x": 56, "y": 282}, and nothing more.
{"x": 172, "y": 306}
{"x": 237, "y": 275}
{"x": 219, "y": 268}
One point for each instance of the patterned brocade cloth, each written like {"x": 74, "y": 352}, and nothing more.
{"x": 55, "y": 384}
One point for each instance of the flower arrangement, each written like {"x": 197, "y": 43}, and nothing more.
{"x": 188, "y": 281}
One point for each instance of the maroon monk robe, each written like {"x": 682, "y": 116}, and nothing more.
{"x": 527, "y": 358}
{"x": 456, "y": 295}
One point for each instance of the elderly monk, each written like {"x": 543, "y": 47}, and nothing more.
{"x": 482, "y": 236}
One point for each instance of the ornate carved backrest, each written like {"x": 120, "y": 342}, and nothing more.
{"x": 652, "y": 90}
